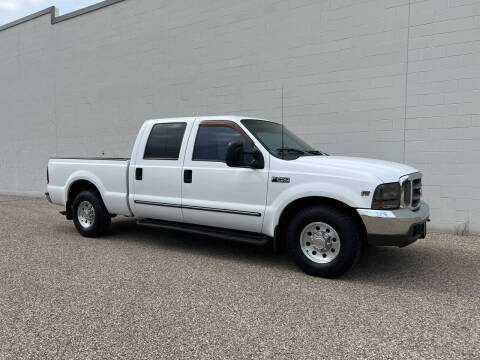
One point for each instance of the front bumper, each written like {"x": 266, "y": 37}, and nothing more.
{"x": 399, "y": 227}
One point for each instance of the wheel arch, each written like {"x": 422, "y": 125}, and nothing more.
{"x": 294, "y": 206}
{"x": 75, "y": 187}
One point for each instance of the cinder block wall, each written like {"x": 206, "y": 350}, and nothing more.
{"x": 388, "y": 79}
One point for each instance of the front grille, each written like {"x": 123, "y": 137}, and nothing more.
{"x": 412, "y": 190}
{"x": 416, "y": 192}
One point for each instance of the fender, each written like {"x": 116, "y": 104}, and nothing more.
{"x": 87, "y": 176}
{"x": 330, "y": 190}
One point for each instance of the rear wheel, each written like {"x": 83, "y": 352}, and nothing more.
{"x": 324, "y": 241}
{"x": 90, "y": 216}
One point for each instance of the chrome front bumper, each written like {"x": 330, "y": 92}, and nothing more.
{"x": 398, "y": 227}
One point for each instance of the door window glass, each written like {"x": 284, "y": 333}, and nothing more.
{"x": 165, "y": 141}
{"x": 212, "y": 142}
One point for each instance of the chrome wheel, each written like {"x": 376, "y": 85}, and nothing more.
{"x": 320, "y": 242}
{"x": 86, "y": 214}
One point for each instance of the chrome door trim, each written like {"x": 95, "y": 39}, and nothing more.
{"x": 189, "y": 207}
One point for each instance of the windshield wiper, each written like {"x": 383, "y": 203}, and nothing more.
{"x": 297, "y": 151}
{"x": 315, "y": 152}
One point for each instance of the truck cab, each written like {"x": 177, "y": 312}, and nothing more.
{"x": 248, "y": 180}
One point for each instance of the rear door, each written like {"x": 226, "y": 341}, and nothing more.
{"x": 158, "y": 171}
{"x": 215, "y": 194}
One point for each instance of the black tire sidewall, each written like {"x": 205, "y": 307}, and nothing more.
{"x": 102, "y": 217}
{"x": 347, "y": 232}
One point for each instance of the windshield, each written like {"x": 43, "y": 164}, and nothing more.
{"x": 270, "y": 135}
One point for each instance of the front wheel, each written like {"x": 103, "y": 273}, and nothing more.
{"x": 324, "y": 241}
{"x": 90, "y": 216}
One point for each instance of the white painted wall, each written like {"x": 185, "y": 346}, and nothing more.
{"x": 378, "y": 78}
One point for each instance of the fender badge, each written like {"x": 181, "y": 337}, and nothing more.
{"x": 365, "y": 193}
{"x": 278, "y": 179}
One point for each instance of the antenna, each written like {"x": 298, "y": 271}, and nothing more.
{"x": 283, "y": 147}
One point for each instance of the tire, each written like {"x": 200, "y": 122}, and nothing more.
{"x": 323, "y": 240}
{"x": 90, "y": 216}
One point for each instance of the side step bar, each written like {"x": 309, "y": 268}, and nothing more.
{"x": 233, "y": 235}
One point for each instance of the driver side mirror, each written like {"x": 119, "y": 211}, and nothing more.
{"x": 235, "y": 156}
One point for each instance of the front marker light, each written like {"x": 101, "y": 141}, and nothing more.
{"x": 386, "y": 196}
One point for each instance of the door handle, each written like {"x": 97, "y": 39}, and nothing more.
{"x": 187, "y": 176}
{"x": 138, "y": 173}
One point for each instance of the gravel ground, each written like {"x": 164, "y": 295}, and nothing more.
{"x": 146, "y": 293}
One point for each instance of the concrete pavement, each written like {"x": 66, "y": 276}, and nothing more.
{"x": 146, "y": 293}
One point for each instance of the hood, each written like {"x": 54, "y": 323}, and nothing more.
{"x": 386, "y": 171}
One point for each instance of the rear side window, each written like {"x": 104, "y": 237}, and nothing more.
{"x": 165, "y": 141}
{"x": 212, "y": 142}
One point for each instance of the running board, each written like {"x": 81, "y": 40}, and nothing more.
{"x": 233, "y": 235}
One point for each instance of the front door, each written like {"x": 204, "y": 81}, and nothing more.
{"x": 158, "y": 171}
{"x": 214, "y": 194}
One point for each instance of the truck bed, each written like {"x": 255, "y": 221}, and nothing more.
{"x": 91, "y": 158}
{"x": 109, "y": 175}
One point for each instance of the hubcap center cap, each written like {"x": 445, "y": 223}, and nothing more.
{"x": 319, "y": 240}
{"x": 322, "y": 240}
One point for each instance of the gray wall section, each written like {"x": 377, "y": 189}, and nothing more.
{"x": 380, "y": 78}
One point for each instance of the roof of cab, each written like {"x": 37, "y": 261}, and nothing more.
{"x": 235, "y": 118}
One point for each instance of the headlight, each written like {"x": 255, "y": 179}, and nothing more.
{"x": 387, "y": 196}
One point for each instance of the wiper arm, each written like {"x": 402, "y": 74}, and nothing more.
{"x": 297, "y": 151}
{"x": 315, "y": 152}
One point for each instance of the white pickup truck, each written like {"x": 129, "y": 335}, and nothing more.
{"x": 248, "y": 180}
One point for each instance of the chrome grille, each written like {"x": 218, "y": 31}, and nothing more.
{"x": 416, "y": 192}
{"x": 411, "y": 190}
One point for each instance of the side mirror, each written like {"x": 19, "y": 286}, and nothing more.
{"x": 258, "y": 162}
{"x": 235, "y": 156}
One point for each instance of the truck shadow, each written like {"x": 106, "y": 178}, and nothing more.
{"x": 127, "y": 230}
{"x": 425, "y": 265}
